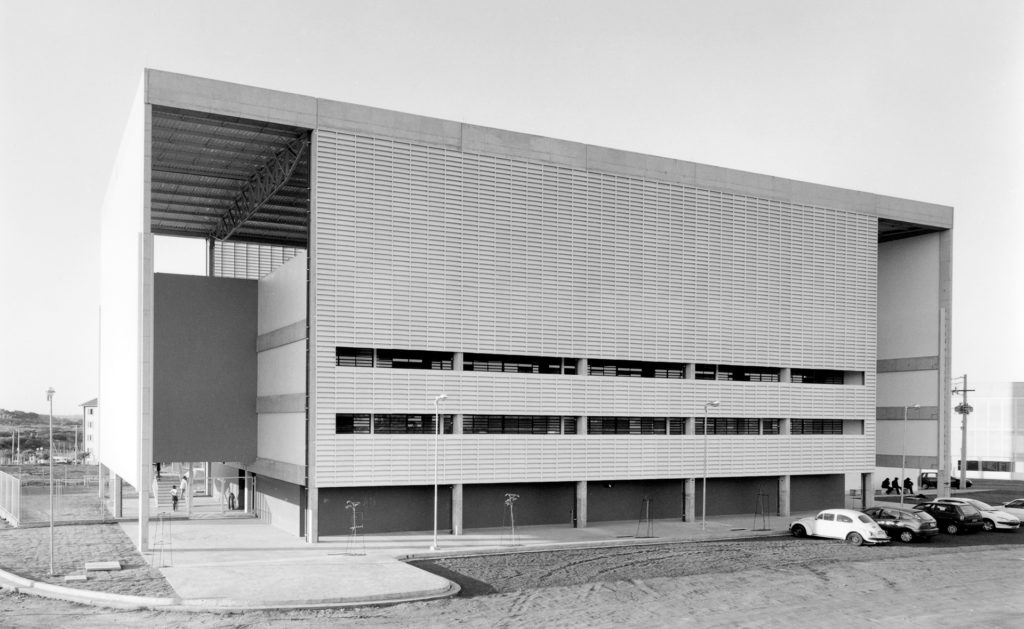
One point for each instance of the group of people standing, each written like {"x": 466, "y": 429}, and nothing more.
{"x": 894, "y": 485}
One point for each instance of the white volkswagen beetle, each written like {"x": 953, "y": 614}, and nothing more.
{"x": 846, "y": 524}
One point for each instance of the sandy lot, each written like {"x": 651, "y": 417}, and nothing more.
{"x": 781, "y": 582}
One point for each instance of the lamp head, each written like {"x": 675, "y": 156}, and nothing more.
{"x": 915, "y": 406}
{"x": 440, "y": 398}
{"x": 49, "y": 394}
{"x": 712, "y": 404}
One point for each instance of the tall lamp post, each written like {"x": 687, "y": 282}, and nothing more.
{"x": 437, "y": 432}
{"x": 704, "y": 489}
{"x": 49, "y": 398}
{"x": 903, "y": 469}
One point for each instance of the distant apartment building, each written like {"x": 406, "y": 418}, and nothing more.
{"x": 592, "y": 330}
{"x": 90, "y": 430}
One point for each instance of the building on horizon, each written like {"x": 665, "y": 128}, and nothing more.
{"x": 995, "y": 432}
{"x": 580, "y": 308}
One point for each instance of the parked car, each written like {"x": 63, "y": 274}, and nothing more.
{"x": 930, "y": 480}
{"x": 846, "y": 524}
{"x": 1014, "y": 507}
{"x": 992, "y": 517}
{"x": 904, "y": 523}
{"x": 953, "y": 518}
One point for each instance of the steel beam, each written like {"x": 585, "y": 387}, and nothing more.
{"x": 261, "y": 187}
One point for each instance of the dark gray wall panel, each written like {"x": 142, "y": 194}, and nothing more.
{"x": 623, "y": 500}
{"x": 385, "y": 509}
{"x": 204, "y": 368}
{"x": 810, "y": 493}
{"x": 730, "y": 496}
{"x": 538, "y": 503}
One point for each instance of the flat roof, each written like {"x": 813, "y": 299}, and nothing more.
{"x": 213, "y": 142}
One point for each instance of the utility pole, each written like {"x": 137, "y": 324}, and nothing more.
{"x": 964, "y": 409}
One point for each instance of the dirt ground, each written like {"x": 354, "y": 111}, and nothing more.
{"x": 779, "y": 582}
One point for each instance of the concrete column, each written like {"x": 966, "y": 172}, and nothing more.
{"x": 581, "y": 367}
{"x": 784, "y": 495}
{"x": 691, "y": 425}
{"x": 312, "y": 526}
{"x": 581, "y": 425}
{"x": 784, "y": 426}
{"x": 867, "y": 486}
{"x": 690, "y": 371}
{"x": 689, "y": 499}
{"x": 581, "y": 504}
{"x": 116, "y": 496}
{"x": 457, "y": 509}
{"x": 786, "y": 375}
{"x": 457, "y": 424}
{"x": 457, "y": 358}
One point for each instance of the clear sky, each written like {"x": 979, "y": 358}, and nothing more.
{"x": 915, "y": 99}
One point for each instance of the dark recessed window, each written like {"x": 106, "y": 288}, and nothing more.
{"x": 626, "y": 425}
{"x": 350, "y": 424}
{"x": 816, "y": 426}
{"x": 500, "y": 363}
{"x": 734, "y": 373}
{"x": 410, "y": 424}
{"x": 817, "y": 376}
{"x": 635, "y": 369}
{"x": 730, "y": 426}
{"x": 413, "y": 359}
{"x": 518, "y": 424}
{"x": 353, "y": 356}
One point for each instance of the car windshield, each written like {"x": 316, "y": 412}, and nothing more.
{"x": 921, "y": 515}
{"x": 969, "y": 510}
{"x": 865, "y": 519}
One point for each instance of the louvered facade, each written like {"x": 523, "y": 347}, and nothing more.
{"x": 579, "y": 307}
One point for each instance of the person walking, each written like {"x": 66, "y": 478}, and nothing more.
{"x": 174, "y": 498}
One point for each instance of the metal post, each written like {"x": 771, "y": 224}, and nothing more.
{"x": 49, "y": 398}
{"x": 903, "y": 469}
{"x": 704, "y": 489}
{"x": 437, "y": 432}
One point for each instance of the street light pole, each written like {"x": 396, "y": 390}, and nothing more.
{"x": 704, "y": 489}
{"x": 437, "y": 432}
{"x": 903, "y": 469}
{"x": 49, "y": 398}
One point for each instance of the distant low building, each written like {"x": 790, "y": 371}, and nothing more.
{"x": 995, "y": 432}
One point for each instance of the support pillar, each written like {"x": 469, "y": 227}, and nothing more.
{"x": 690, "y": 371}
{"x": 116, "y": 496}
{"x": 786, "y": 374}
{"x": 784, "y": 495}
{"x": 867, "y": 488}
{"x": 581, "y": 504}
{"x": 689, "y": 499}
{"x": 457, "y": 509}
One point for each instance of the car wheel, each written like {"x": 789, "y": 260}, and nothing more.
{"x": 799, "y": 531}
{"x": 855, "y": 539}
{"x": 989, "y": 525}
{"x": 906, "y": 536}
{"x": 952, "y": 529}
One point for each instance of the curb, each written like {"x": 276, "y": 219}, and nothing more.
{"x": 21, "y": 585}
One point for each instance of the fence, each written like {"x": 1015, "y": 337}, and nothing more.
{"x": 10, "y": 498}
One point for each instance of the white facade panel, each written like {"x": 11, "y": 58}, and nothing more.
{"x": 281, "y": 370}
{"x": 282, "y": 295}
{"x": 429, "y": 248}
{"x": 282, "y": 437}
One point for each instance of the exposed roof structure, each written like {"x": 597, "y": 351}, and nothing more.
{"x": 222, "y": 177}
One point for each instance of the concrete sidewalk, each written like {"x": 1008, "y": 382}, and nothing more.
{"x": 221, "y": 561}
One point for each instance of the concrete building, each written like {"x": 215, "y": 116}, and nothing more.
{"x": 581, "y": 308}
{"x": 995, "y": 432}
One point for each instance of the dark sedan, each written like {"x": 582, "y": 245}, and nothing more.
{"x": 904, "y": 523}
{"x": 953, "y": 518}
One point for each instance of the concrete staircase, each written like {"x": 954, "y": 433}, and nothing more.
{"x": 162, "y": 492}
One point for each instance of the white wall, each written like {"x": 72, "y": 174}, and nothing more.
{"x": 281, "y": 371}
{"x": 121, "y": 264}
